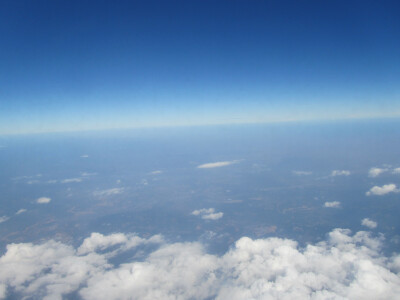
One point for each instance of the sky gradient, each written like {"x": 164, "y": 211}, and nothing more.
{"x": 79, "y": 65}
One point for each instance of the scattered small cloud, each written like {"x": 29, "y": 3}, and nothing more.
{"x": 51, "y": 181}
{"x": 333, "y": 204}
{"x": 340, "y": 173}
{"x": 208, "y": 214}
{"x": 22, "y": 210}
{"x": 382, "y": 190}
{"x": 71, "y": 180}
{"x": 109, "y": 192}
{"x": 84, "y": 156}
{"x": 369, "y": 223}
{"x": 375, "y": 172}
{"x": 217, "y": 164}
{"x": 3, "y": 219}
{"x": 396, "y": 171}
{"x": 156, "y": 172}
{"x": 43, "y": 200}
{"x": 301, "y": 173}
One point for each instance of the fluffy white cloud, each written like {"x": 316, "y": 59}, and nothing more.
{"x": 109, "y": 192}
{"x": 382, "y": 190}
{"x": 369, "y": 223}
{"x": 43, "y": 200}
{"x": 396, "y": 171}
{"x": 375, "y": 172}
{"x": 3, "y": 219}
{"x": 333, "y": 204}
{"x": 217, "y": 164}
{"x": 340, "y": 173}
{"x": 69, "y": 180}
{"x": 345, "y": 266}
{"x": 208, "y": 214}
{"x": 301, "y": 173}
{"x": 22, "y": 210}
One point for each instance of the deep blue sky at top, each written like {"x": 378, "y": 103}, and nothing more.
{"x": 71, "y": 65}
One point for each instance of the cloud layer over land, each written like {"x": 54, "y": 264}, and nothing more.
{"x": 343, "y": 266}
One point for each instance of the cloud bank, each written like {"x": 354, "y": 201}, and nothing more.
{"x": 345, "y": 266}
{"x": 208, "y": 214}
{"x": 382, "y": 190}
{"x": 217, "y": 164}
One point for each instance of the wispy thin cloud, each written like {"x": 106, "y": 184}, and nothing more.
{"x": 109, "y": 192}
{"x": 22, "y": 210}
{"x": 217, "y": 164}
{"x": 156, "y": 172}
{"x": 340, "y": 173}
{"x": 4, "y": 219}
{"x": 302, "y": 173}
{"x": 88, "y": 174}
{"x": 71, "y": 180}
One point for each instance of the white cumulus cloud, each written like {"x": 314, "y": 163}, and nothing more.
{"x": 369, "y": 223}
{"x": 217, "y": 164}
{"x": 208, "y": 214}
{"x": 22, "y": 210}
{"x": 382, "y": 190}
{"x": 345, "y": 266}
{"x": 43, "y": 200}
{"x": 396, "y": 171}
{"x": 109, "y": 192}
{"x": 340, "y": 173}
{"x": 375, "y": 172}
{"x": 333, "y": 204}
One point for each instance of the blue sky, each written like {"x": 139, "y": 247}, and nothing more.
{"x": 78, "y": 65}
